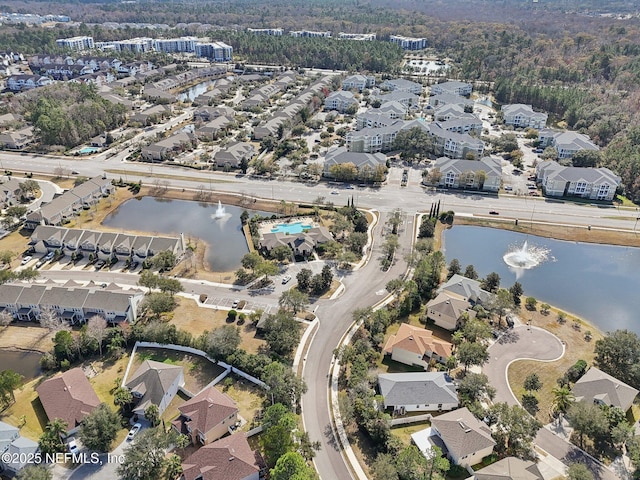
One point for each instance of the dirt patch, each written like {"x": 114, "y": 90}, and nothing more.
{"x": 194, "y": 319}
{"x": 575, "y": 234}
{"x": 25, "y": 336}
{"x": 577, "y": 347}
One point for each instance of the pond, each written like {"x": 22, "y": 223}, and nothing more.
{"x": 218, "y": 225}
{"x": 596, "y": 282}
{"x": 191, "y": 93}
{"x": 26, "y": 364}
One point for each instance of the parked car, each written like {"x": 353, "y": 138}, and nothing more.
{"x": 493, "y": 212}
{"x": 134, "y": 431}
{"x": 286, "y": 279}
{"x": 100, "y": 264}
{"x": 40, "y": 263}
{"x": 235, "y": 304}
{"x": 49, "y": 256}
{"x": 26, "y": 260}
{"x": 72, "y": 446}
{"x": 508, "y": 188}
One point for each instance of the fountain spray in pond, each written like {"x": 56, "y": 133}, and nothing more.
{"x": 526, "y": 257}
{"x": 220, "y": 212}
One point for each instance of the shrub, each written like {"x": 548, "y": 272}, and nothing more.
{"x": 231, "y": 316}
{"x": 531, "y": 303}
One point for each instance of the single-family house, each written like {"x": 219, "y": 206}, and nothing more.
{"x": 458, "y": 295}
{"x": 371, "y": 162}
{"x": 453, "y": 88}
{"x": 418, "y": 391}
{"x": 586, "y": 182}
{"x": 155, "y": 383}
{"x": 484, "y": 174}
{"x": 358, "y": 82}
{"x": 10, "y": 192}
{"x": 416, "y": 346}
{"x": 17, "y": 83}
{"x": 207, "y": 416}
{"x": 234, "y": 154}
{"x": 522, "y": 116}
{"x": 596, "y": 386}
{"x": 509, "y": 468}
{"x": 229, "y": 458}
{"x": 340, "y": 101}
{"x": 467, "y": 439}
{"x": 8, "y": 119}
{"x": 68, "y": 396}
{"x": 301, "y": 244}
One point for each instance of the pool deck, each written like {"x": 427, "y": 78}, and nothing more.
{"x": 268, "y": 225}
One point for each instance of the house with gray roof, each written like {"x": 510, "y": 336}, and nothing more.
{"x": 453, "y": 88}
{"x": 484, "y": 174}
{"x": 358, "y": 82}
{"x": 340, "y": 101}
{"x": 586, "y": 182}
{"x": 154, "y": 383}
{"x": 567, "y": 143}
{"x": 362, "y": 161}
{"x": 509, "y": 468}
{"x": 441, "y": 99}
{"x": 448, "y": 111}
{"x": 455, "y": 145}
{"x": 75, "y": 304}
{"x": 464, "y": 123}
{"x": 18, "y": 453}
{"x": 373, "y": 140}
{"x": 455, "y": 297}
{"x": 393, "y": 109}
{"x": 215, "y": 127}
{"x": 234, "y": 154}
{"x": 169, "y": 147}
{"x": 407, "y": 99}
{"x": 467, "y": 439}
{"x": 522, "y": 116}
{"x": 598, "y": 387}
{"x": 17, "y": 139}
{"x": 418, "y": 391}
{"x": 402, "y": 85}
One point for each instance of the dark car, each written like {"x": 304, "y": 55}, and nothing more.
{"x": 493, "y": 212}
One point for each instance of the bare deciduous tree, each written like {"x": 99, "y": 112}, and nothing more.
{"x": 50, "y": 320}
{"x": 5, "y": 319}
{"x": 97, "y": 329}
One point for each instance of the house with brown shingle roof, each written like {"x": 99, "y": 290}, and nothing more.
{"x": 69, "y": 397}
{"x": 416, "y": 346}
{"x": 229, "y": 458}
{"x": 207, "y": 416}
{"x": 467, "y": 439}
{"x": 599, "y": 387}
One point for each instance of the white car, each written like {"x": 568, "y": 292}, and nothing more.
{"x": 235, "y": 304}
{"x": 26, "y": 260}
{"x": 133, "y": 432}
{"x": 49, "y": 256}
{"x": 72, "y": 446}
{"x": 286, "y": 279}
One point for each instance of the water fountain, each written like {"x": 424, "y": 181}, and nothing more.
{"x": 220, "y": 211}
{"x": 526, "y": 257}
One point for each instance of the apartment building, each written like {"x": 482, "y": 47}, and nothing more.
{"x": 76, "y": 43}
{"x": 216, "y": 51}
{"x": 592, "y": 183}
{"x": 309, "y": 34}
{"x": 522, "y": 116}
{"x": 276, "y": 32}
{"x": 408, "y": 43}
{"x": 566, "y": 143}
{"x": 366, "y": 37}
{"x": 453, "y": 88}
{"x": 173, "y": 45}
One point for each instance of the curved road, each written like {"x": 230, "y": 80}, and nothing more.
{"x": 524, "y": 343}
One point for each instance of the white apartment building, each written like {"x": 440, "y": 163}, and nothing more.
{"x": 523, "y": 116}
{"x": 135, "y": 45}
{"x": 309, "y": 34}
{"x": 276, "y": 32}
{"x": 367, "y": 37}
{"x": 408, "y": 43}
{"x": 76, "y": 43}
{"x": 453, "y": 88}
{"x": 172, "y": 45}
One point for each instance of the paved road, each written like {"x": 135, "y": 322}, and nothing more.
{"x": 363, "y": 288}
{"x": 535, "y": 343}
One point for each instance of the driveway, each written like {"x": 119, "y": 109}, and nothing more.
{"x": 534, "y": 343}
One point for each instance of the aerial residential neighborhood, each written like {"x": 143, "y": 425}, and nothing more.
{"x": 261, "y": 240}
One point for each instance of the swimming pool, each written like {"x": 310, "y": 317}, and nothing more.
{"x": 87, "y": 150}
{"x": 290, "y": 228}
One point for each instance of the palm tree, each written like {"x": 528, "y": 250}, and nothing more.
{"x": 152, "y": 413}
{"x": 562, "y": 399}
{"x": 173, "y": 468}
{"x": 51, "y": 440}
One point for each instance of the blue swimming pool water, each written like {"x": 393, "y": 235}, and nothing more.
{"x": 290, "y": 228}
{"x": 86, "y": 150}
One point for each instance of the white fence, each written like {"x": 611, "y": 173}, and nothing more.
{"x": 194, "y": 351}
